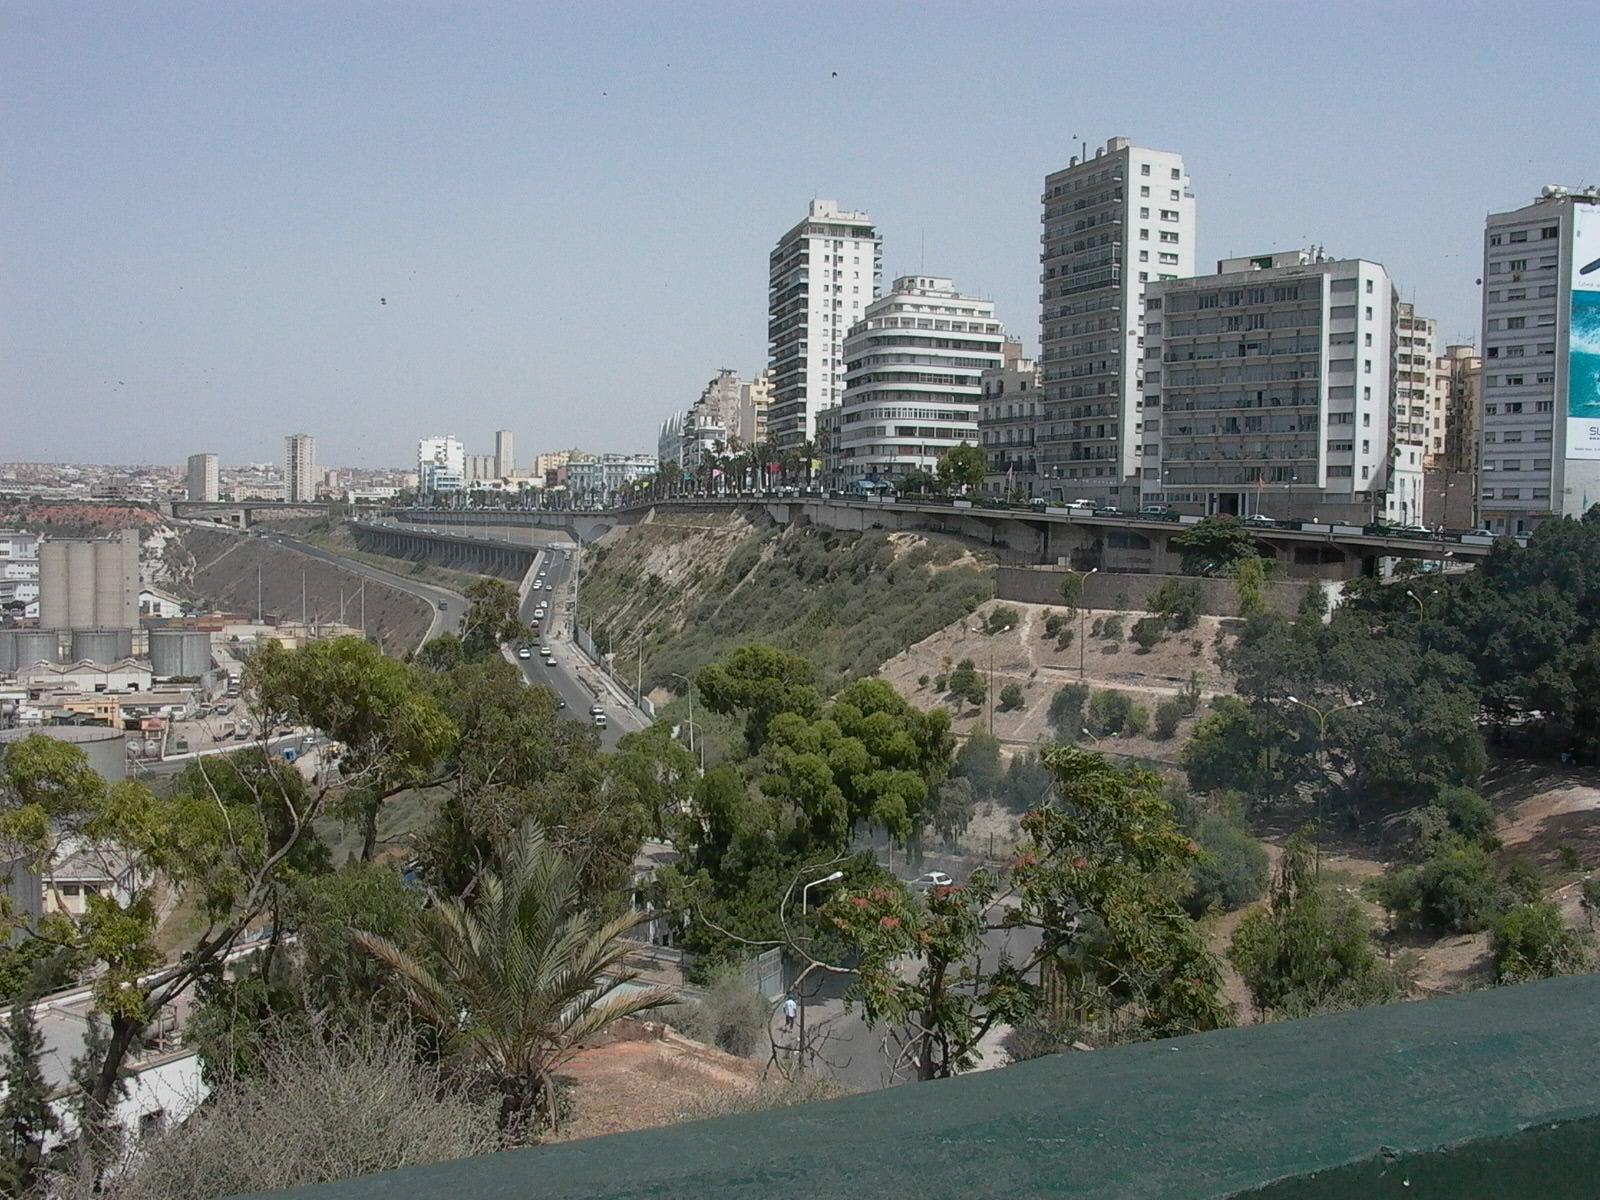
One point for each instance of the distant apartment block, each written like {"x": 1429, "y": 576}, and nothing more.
{"x": 914, "y": 368}
{"x": 505, "y": 458}
{"x": 204, "y": 479}
{"x": 1458, "y": 375}
{"x": 1008, "y": 416}
{"x": 821, "y": 276}
{"x": 1539, "y": 443}
{"x": 1113, "y": 224}
{"x": 480, "y": 468}
{"x": 300, "y": 468}
{"x": 441, "y": 465}
{"x": 1269, "y": 388}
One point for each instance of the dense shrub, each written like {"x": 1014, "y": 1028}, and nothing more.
{"x": 732, "y": 1016}
{"x": 1137, "y": 720}
{"x": 1108, "y": 712}
{"x": 1531, "y": 942}
{"x": 1232, "y": 868}
{"x": 1011, "y": 697}
{"x": 1067, "y": 709}
{"x": 1453, "y": 890}
{"x": 1468, "y": 813}
{"x": 1178, "y": 600}
{"x": 1148, "y": 631}
{"x": 966, "y": 683}
{"x": 1111, "y": 629}
{"x": 1001, "y": 618}
{"x": 1167, "y": 716}
{"x": 978, "y": 760}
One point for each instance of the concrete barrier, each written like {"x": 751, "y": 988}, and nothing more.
{"x": 1112, "y": 590}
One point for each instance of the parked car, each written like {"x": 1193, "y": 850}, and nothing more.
{"x": 599, "y": 720}
{"x": 596, "y": 710}
{"x": 1259, "y": 519}
{"x": 932, "y": 879}
{"x": 1158, "y": 512}
{"x": 1109, "y": 510}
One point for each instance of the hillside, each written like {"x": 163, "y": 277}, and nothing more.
{"x": 697, "y": 586}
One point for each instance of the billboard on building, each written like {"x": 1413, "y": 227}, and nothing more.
{"x": 1583, "y": 336}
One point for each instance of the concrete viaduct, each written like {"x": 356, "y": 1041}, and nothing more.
{"x": 465, "y": 551}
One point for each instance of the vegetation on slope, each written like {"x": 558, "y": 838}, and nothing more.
{"x": 846, "y": 602}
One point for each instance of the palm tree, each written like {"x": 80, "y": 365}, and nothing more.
{"x": 518, "y": 979}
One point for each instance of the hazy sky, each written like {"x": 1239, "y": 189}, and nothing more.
{"x": 568, "y": 209}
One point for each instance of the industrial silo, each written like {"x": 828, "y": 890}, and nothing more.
{"x": 8, "y": 651}
{"x": 175, "y": 652}
{"x": 53, "y": 585}
{"x": 37, "y": 645}
{"x": 103, "y": 747}
{"x": 116, "y": 582}
{"x": 80, "y": 585}
{"x": 102, "y": 645}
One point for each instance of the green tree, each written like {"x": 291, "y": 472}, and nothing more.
{"x": 1011, "y": 697}
{"x": 1147, "y": 632}
{"x": 1310, "y": 949}
{"x": 1067, "y": 709}
{"x": 961, "y": 468}
{"x": 1454, "y": 890}
{"x": 760, "y": 682}
{"x": 1213, "y": 545}
{"x": 514, "y": 981}
{"x": 492, "y": 618}
{"x": 1108, "y": 712}
{"x": 967, "y": 683}
{"x": 953, "y": 810}
{"x": 1231, "y": 870}
{"x": 978, "y": 760}
{"x": 1168, "y": 714}
{"x": 1249, "y": 585}
{"x": 393, "y": 732}
{"x": 1178, "y": 601}
{"x": 25, "y": 1112}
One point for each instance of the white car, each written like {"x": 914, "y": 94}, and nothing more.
{"x": 932, "y": 879}
{"x": 549, "y": 587}
{"x": 597, "y": 710}
{"x": 524, "y": 653}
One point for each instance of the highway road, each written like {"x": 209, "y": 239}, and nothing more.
{"x": 448, "y": 607}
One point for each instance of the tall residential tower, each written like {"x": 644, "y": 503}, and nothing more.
{"x": 204, "y": 481}
{"x": 299, "y": 468}
{"x": 1112, "y": 223}
{"x": 820, "y": 278}
{"x": 1539, "y": 451}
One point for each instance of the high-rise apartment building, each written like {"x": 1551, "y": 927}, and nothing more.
{"x": 1539, "y": 444}
{"x": 205, "y": 482}
{"x": 299, "y": 468}
{"x": 914, "y": 368}
{"x": 820, "y": 278}
{"x": 480, "y": 468}
{"x": 1458, "y": 373}
{"x": 1269, "y": 388}
{"x": 1113, "y": 223}
{"x": 1414, "y": 365}
{"x": 1008, "y": 418}
{"x": 441, "y": 465}
{"x": 505, "y": 459}
{"x": 755, "y": 397}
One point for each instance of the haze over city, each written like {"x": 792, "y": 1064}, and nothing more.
{"x": 222, "y": 223}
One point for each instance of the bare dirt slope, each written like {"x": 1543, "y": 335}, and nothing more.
{"x": 221, "y": 569}
{"x": 1025, "y": 656}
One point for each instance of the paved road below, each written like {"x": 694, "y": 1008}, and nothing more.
{"x": 448, "y": 606}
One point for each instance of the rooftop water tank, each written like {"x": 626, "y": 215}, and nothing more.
{"x": 175, "y": 652}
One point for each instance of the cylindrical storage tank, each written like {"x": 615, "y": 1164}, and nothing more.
{"x": 37, "y": 645}
{"x": 102, "y": 645}
{"x": 80, "y": 585}
{"x": 53, "y": 585}
{"x": 105, "y": 748}
{"x": 179, "y": 652}
{"x": 116, "y": 576}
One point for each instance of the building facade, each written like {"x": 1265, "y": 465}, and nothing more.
{"x": 820, "y": 278}
{"x": 1113, "y": 223}
{"x": 441, "y": 465}
{"x": 1269, "y": 388}
{"x": 914, "y": 367}
{"x": 299, "y": 468}
{"x": 755, "y": 398}
{"x": 669, "y": 444}
{"x": 1539, "y": 443}
{"x": 204, "y": 479}
{"x": 505, "y": 458}
{"x": 1008, "y": 417}
{"x": 480, "y": 468}
{"x": 1458, "y": 397}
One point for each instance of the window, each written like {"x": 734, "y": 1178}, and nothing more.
{"x": 1144, "y": 235}
{"x": 1366, "y": 472}
{"x": 1144, "y": 276}
{"x": 1517, "y": 264}
{"x": 1516, "y": 322}
{"x": 1368, "y": 312}
{"x": 1144, "y": 168}
{"x": 1518, "y": 235}
{"x": 1144, "y": 256}
{"x": 1144, "y": 190}
{"x": 1168, "y": 235}
{"x": 1494, "y": 239}
{"x": 1369, "y": 339}
{"x": 1175, "y": 174}
{"x": 1369, "y": 290}
{"x": 1171, "y": 259}
{"x": 1511, "y": 494}
{"x": 1169, "y": 214}
{"x": 1144, "y": 214}
{"x": 1173, "y": 195}
{"x": 1518, "y": 293}
{"x": 1548, "y": 232}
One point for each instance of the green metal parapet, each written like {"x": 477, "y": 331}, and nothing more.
{"x": 1486, "y": 1095}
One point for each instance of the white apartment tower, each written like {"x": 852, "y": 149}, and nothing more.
{"x": 299, "y": 468}
{"x": 205, "y": 482}
{"x": 441, "y": 465}
{"x": 914, "y": 370}
{"x": 1113, "y": 223}
{"x": 820, "y": 278}
{"x": 1539, "y": 448}
{"x": 1269, "y": 388}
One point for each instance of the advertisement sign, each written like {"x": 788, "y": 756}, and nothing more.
{"x": 1583, "y": 337}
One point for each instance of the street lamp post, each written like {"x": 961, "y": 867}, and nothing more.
{"x": 689, "y": 684}
{"x": 1083, "y": 616}
{"x": 804, "y": 909}
{"x": 1321, "y": 716}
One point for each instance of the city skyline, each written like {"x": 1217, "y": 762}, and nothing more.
{"x": 276, "y": 230}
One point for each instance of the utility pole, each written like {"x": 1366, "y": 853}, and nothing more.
{"x": 363, "y": 595}
{"x": 305, "y": 624}
{"x": 259, "y": 619}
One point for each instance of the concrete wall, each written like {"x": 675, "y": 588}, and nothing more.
{"x": 1104, "y": 589}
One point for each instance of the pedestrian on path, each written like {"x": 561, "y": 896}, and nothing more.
{"x": 790, "y": 1011}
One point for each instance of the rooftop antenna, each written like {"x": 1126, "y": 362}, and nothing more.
{"x": 922, "y": 257}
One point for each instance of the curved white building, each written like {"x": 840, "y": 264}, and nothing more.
{"x": 914, "y": 368}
